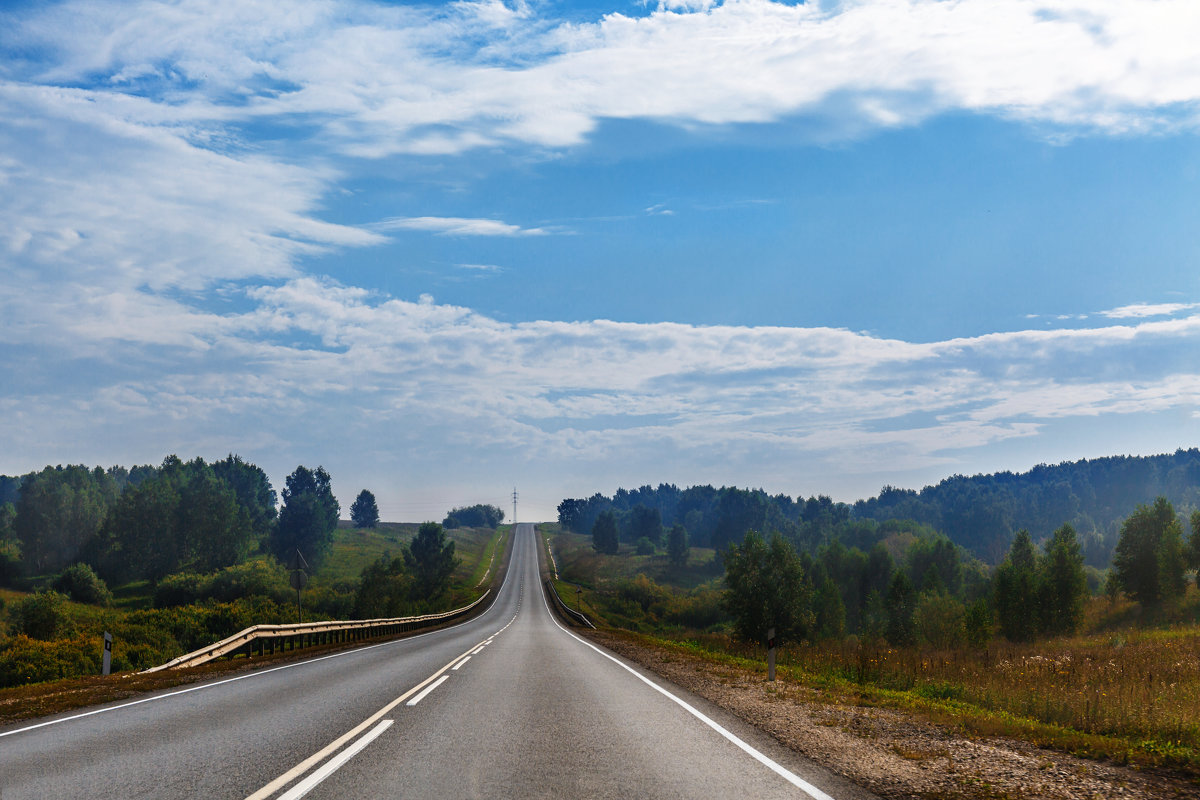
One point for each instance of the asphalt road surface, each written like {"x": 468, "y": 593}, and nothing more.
{"x": 510, "y": 704}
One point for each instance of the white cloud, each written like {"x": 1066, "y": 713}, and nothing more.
{"x": 457, "y": 226}
{"x": 438, "y": 80}
{"x": 1142, "y": 310}
{"x": 432, "y": 374}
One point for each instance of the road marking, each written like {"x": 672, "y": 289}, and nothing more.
{"x": 459, "y": 664}
{"x": 334, "y": 764}
{"x": 778, "y": 769}
{"x": 428, "y": 689}
{"x": 475, "y": 652}
{"x": 319, "y": 756}
{"x": 255, "y": 674}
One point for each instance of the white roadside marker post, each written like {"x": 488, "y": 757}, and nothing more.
{"x": 770, "y": 654}
{"x": 106, "y": 662}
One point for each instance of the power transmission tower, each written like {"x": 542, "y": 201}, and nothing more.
{"x": 514, "y": 505}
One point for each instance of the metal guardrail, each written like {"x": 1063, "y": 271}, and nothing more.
{"x": 571, "y": 613}
{"x": 309, "y": 634}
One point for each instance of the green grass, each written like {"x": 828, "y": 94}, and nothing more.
{"x": 354, "y": 549}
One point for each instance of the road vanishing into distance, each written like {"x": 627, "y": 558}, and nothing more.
{"x": 509, "y": 704}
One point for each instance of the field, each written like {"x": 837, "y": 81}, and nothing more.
{"x": 1127, "y": 689}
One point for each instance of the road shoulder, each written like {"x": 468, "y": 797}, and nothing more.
{"x": 889, "y": 752}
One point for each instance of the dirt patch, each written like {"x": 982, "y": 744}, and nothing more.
{"x": 894, "y": 754}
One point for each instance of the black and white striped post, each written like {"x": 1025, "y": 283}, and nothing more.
{"x": 770, "y": 654}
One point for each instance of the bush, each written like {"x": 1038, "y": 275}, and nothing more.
{"x": 81, "y": 583}
{"x": 939, "y": 621}
{"x": 180, "y": 589}
{"x": 41, "y": 616}
{"x": 645, "y": 547}
{"x": 260, "y": 577}
{"x": 10, "y": 562}
{"x": 27, "y": 660}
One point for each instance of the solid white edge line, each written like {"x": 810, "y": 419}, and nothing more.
{"x": 426, "y": 691}
{"x": 783, "y": 772}
{"x": 334, "y": 764}
{"x": 459, "y": 664}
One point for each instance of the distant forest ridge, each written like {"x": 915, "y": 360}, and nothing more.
{"x": 980, "y": 513}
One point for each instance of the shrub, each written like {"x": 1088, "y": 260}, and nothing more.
{"x": 939, "y": 621}
{"x": 645, "y": 547}
{"x": 10, "y": 562}
{"x": 81, "y": 583}
{"x": 261, "y": 577}
{"x": 27, "y": 660}
{"x": 41, "y": 616}
{"x": 180, "y": 589}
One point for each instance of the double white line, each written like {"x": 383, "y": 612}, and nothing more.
{"x": 413, "y": 696}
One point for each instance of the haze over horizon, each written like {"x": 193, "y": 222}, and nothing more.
{"x": 448, "y": 249}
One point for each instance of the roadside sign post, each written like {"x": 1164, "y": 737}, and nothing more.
{"x": 106, "y": 663}
{"x": 770, "y": 654}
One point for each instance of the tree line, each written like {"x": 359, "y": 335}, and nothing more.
{"x": 936, "y": 594}
{"x": 979, "y": 513}
{"x": 148, "y": 522}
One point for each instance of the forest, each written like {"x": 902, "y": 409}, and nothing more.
{"x": 1009, "y": 555}
{"x": 979, "y": 513}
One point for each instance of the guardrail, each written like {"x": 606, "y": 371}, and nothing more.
{"x": 311, "y": 633}
{"x": 572, "y": 614}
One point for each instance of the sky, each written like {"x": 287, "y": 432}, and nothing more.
{"x": 450, "y": 250}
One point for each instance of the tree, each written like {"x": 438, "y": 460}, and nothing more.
{"x": 182, "y": 517}
{"x": 766, "y": 587}
{"x": 1148, "y": 560}
{"x": 570, "y": 512}
{"x": 309, "y": 515}
{"x": 899, "y": 606}
{"x": 139, "y": 537}
{"x": 364, "y": 513}
{"x": 1016, "y": 590}
{"x": 476, "y": 516}
{"x": 1193, "y": 548}
{"x": 252, "y": 489}
{"x": 605, "y": 538}
{"x": 384, "y": 589}
{"x": 678, "y": 548}
{"x": 59, "y": 511}
{"x": 939, "y": 620}
{"x": 829, "y": 612}
{"x": 646, "y": 523}
{"x": 430, "y": 558}
{"x": 934, "y": 561}
{"x": 1063, "y": 583}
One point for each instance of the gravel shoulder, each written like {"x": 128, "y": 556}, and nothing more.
{"x": 892, "y": 753}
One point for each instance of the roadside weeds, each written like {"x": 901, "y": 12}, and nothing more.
{"x": 892, "y": 752}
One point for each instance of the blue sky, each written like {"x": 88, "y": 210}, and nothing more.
{"x": 449, "y": 249}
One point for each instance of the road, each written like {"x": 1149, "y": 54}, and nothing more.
{"x": 510, "y": 704}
